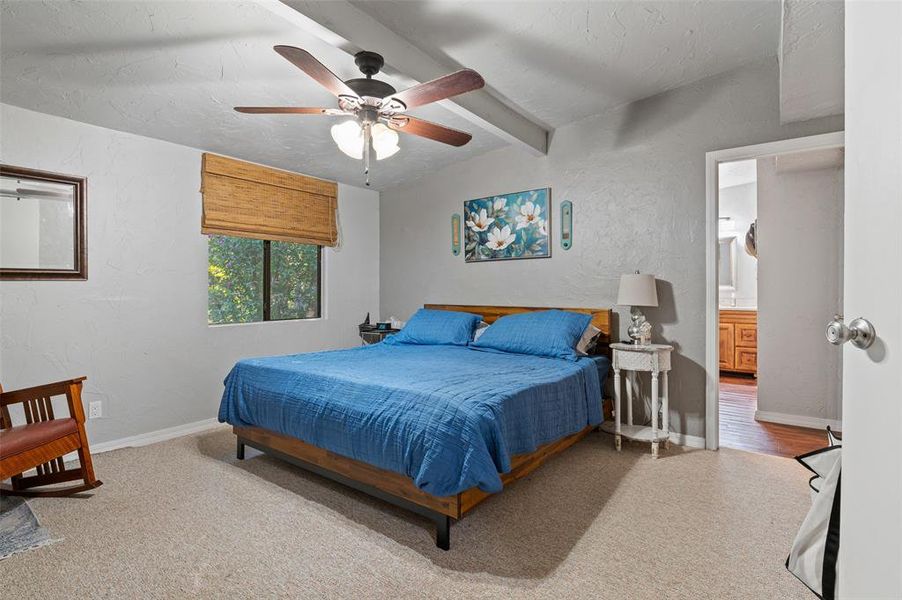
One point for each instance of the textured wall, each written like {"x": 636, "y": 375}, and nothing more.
{"x": 636, "y": 177}
{"x": 811, "y": 59}
{"x": 800, "y": 262}
{"x": 138, "y": 327}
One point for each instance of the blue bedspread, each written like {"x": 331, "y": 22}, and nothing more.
{"x": 448, "y": 417}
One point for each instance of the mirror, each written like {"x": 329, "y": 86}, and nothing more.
{"x": 726, "y": 263}
{"x": 42, "y": 225}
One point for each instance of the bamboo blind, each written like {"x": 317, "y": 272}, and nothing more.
{"x": 247, "y": 200}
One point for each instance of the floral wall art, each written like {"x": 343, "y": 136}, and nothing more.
{"x": 508, "y": 226}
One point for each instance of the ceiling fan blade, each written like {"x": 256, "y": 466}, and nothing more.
{"x": 465, "y": 80}
{"x": 433, "y": 131}
{"x": 290, "y": 110}
{"x": 309, "y": 65}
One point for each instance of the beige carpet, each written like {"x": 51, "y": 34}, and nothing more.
{"x": 185, "y": 519}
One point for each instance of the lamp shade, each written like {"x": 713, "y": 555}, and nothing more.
{"x": 637, "y": 289}
{"x": 385, "y": 141}
{"x": 349, "y": 137}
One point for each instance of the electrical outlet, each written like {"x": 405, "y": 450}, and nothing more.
{"x": 94, "y": 410}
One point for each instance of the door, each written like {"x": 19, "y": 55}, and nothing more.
{"x": 870, "y": 563}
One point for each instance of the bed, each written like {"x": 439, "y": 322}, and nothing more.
{"x": 434, "y": 429}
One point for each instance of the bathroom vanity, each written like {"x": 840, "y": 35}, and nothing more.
{"x": 738, "y": 341}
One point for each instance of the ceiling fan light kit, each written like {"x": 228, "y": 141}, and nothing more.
{"x": 376, "y": 108}
{"x": 350, "y": 137}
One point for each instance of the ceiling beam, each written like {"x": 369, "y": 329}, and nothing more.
{"x": 346, "y": 27}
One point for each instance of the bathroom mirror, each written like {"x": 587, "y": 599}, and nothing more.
{"x": 726, "y": 262}
{"x": 42, "y": 225}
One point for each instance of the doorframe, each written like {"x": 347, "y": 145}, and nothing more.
{"x": 712, "y": 308}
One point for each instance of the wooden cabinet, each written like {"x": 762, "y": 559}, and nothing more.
{"x": 746, "y": 335}
{"x": 739, "y": 341}
{"x": 726, "y": 346}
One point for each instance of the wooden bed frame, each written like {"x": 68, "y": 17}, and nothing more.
{"x": 399, "y": 489}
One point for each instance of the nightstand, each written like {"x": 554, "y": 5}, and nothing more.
{"x": 374, "y": 336}
{"x": 654, "y": 359}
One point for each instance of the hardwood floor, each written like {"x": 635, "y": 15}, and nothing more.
{"x": 740, "y": 430}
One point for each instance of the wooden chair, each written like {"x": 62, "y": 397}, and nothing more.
{"x": 43, "y": 441}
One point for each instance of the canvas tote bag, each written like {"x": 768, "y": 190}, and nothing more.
{"x": 815, "y": 551}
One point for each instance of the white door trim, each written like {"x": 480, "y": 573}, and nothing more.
{"x": 712, "y": 310}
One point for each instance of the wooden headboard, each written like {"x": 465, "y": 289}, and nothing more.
{"x": 601, "y": 317}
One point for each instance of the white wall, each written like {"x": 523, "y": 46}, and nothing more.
{"x": 800, "y": 262}
{"x": 870, "y": 561}
{"x": 739, "y": 202}
{"x": 636, "y": 177}
{"x": 138, "y": 327}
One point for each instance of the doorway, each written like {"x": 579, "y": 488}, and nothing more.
{"x": 774, "y": 280}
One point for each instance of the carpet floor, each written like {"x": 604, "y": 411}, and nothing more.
{"x": 185, "y": 519}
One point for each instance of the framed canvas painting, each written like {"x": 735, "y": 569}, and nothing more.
{"x": 508, "y": 226}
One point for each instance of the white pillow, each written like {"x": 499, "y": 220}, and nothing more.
{"x": 480, "y": 329}
{"x": 582, "y": 347}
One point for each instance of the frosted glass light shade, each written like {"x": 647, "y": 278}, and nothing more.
{"x": 385, "y": 141}
{"x": 349, "y": 137}
{"x": 637, "y": 289}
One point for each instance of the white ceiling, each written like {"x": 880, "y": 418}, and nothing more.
{"x": 173, "y": 70}
{"x": 561, "y": 61}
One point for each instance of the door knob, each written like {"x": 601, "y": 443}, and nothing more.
{"x": 860, "y": 332}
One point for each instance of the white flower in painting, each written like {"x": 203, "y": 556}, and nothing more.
{"x": 499, "y": 239}
{"x": 543, "y": 228}
{"x": 499, "y": 204}
{"x": 479, "y": 222}
{"x": 529, "y": 215}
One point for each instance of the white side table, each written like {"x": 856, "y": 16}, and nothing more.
{"x": 655, "y": 359}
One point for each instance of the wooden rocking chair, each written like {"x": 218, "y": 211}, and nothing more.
{"x": 43, "y": 441}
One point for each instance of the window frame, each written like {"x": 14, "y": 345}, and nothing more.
{"x": 267, "y": 288}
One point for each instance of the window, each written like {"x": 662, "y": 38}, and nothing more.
{"x": 255, "y": 280}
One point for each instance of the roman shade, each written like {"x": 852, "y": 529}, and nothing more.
{"x": 247, "y": 200}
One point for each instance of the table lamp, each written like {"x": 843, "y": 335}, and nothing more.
{"x": 638, "y": 289}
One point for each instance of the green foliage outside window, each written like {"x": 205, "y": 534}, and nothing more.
{"x": 295, "y": 281}
{"x": 236, "y": 290}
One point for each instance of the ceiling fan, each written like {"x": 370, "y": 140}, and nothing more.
{"x": 376, "y": 107}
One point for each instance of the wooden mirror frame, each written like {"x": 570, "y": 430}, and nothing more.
{"x": 80, "y": 248}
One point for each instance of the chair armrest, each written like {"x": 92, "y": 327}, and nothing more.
{"x": 58, "y": 388}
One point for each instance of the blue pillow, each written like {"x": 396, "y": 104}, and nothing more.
{"x": 553, "y": 333}
{"x": 432, "y": 327}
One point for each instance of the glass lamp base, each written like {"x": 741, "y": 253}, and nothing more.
{"x": 640, "y": 329}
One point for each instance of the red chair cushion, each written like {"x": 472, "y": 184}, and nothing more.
{"x": 23, "y": 438}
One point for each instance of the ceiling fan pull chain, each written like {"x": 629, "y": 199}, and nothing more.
{"x": 367, "y": 134}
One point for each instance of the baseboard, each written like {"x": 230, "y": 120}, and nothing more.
{"x": 152, "y": 437}
{"x": 797, "y": 420}
{"x": 161, "y": 435}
